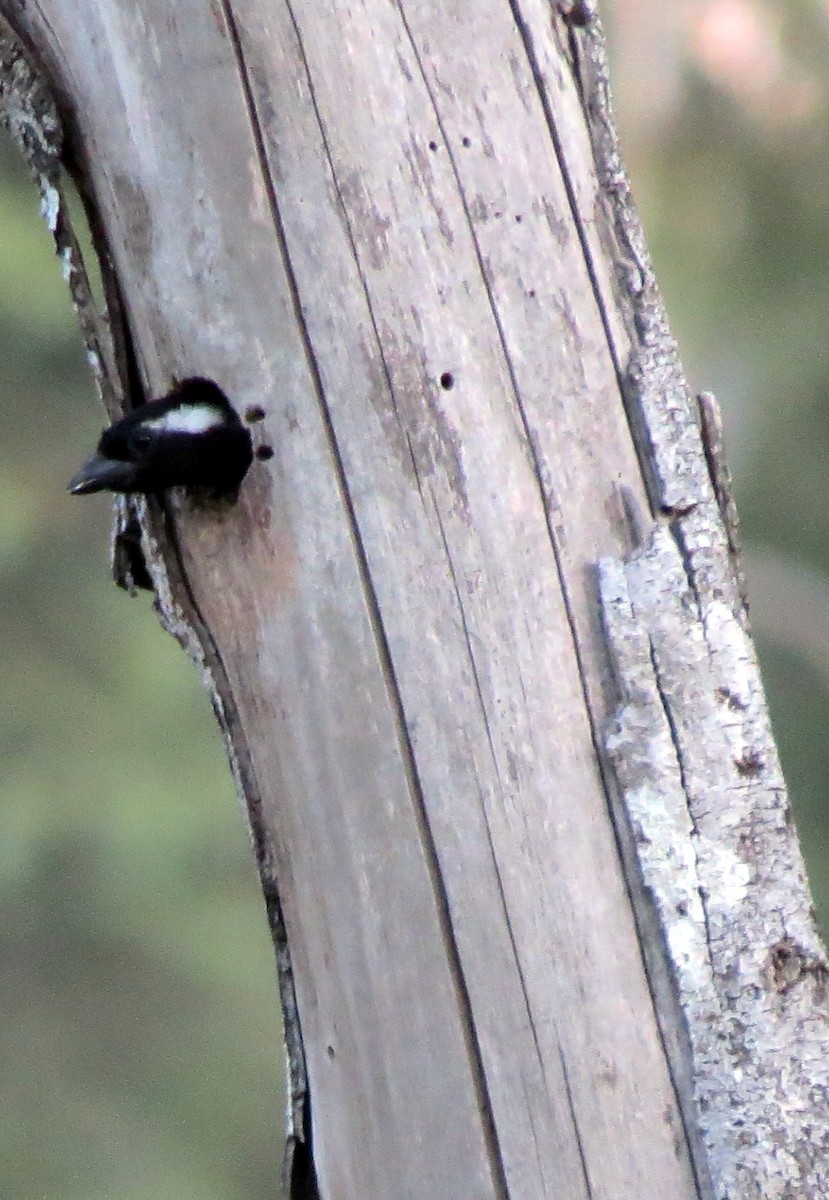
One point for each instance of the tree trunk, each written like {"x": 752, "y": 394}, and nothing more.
{"x": 474, "y": 631}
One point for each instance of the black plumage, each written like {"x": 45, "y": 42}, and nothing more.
{"x": 192, "y": 437}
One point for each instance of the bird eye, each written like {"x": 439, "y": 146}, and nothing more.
{"x": 141, "y": 438}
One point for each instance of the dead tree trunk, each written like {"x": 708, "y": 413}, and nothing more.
{"x": 474, "y": 632}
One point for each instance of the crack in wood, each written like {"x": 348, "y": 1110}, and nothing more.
{"x": 529, "y": 439}
{"x": 645, "y": 751}
{"x": 381, "y": 641}
{"x": 366, "y": 291}
{"x": 525, "y": 32}
{"x": 568, "y": 1092}
{"x": 30, "y": 111}
{"x": 299, "y": 1177}
{"x": 705, "y": 804}
{"x": 683, "y": 665}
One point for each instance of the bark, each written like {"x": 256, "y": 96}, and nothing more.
{"x": 474, "y": 633}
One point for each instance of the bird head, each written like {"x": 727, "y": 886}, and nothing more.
{"x": 192, "y": 437}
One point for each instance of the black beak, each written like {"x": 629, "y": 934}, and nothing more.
{"x": 102, "y": 474}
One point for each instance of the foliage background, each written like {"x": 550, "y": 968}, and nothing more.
{"x": 140, "y": 1053}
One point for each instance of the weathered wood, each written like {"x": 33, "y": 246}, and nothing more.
{"x": 392, "y": 226}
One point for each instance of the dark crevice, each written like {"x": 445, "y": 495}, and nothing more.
{"x": 415, "y": 468}
{"x": 541, "y": 90}
{"x": 468, "y": 640}
{"x": 535, "y": 458}
{"x": 677, "y": 530}
{"x": 514, "y": 385}
{"x": 639, "y": 435}
{"x": 132, "y": 387}
{"x": 131, "y": 383}
{"x": 667, "y": 709}
{"x": 685, "y": 1097}
{"x": 485, "y": 817}
{"x": 629, "y": 387}
{"x": 660, "y": 977}
{"x": 624, "y": 387}
{"x": 568, "y": 1092}
{"x": 227, "y": 714}
{"x": 352, "y": 243}
{"x": 372, "y": 604}
{"x": 129, "y": 566}
{"x": 299, "y": 1175}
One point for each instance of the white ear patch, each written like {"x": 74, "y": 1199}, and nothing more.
{"x": 187, "y": 418}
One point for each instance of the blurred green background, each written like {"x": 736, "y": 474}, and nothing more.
{"x": 140, "y": 1052}
{"x": 140, "y": 1043}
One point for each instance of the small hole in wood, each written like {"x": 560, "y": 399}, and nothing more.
{"x": 578, "y": 15}
{"x": 329, "y": 1050}
{"x": 466, "y": 143}
{"x": 264, "y": 453}
{"x": 254, "y": 413}
{"x": 518, "y": 218}
{"x": 447, "y": 381}
{"x": 433, "y": 145}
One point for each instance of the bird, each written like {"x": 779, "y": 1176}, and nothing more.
{"x": 192, "y": 437}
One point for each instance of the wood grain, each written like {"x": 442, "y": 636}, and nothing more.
{"x": 392, "y": 227}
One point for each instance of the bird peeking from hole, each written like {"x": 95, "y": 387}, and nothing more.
{"x": 192, "y": 437}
